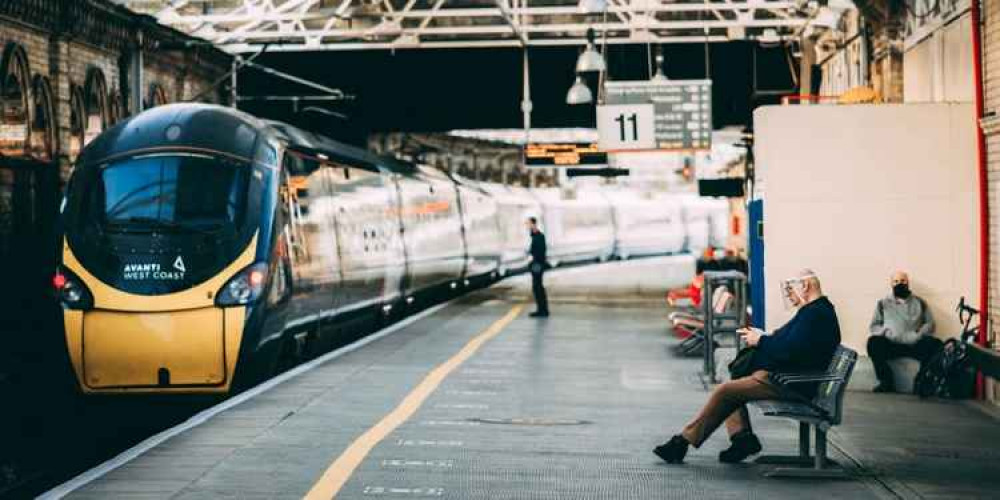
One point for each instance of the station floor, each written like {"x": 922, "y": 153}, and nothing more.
{"x": 477, "y": 400}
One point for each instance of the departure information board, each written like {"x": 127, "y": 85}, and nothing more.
{"x": 682, "y": 113}
{"x": 563, "y": 155}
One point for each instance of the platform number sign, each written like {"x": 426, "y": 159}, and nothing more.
{"x": 625, "y": 127}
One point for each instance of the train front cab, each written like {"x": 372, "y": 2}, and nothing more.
{"x": 165, "y": 278}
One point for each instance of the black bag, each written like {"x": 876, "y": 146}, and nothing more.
{"x": 742, "y": 365}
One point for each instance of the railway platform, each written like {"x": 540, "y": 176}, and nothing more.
{"x": 474, "y": 399}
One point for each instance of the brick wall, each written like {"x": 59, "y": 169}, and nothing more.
{"x": 68, "y": 62}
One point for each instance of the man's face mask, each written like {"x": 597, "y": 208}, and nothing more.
{"x": 793, "y": 292}
{"x": 901, "y": 290}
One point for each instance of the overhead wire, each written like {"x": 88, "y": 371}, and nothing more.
{"x": 238, "y": 65}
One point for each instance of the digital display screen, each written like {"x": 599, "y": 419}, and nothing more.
{"x": 564, "y": 155}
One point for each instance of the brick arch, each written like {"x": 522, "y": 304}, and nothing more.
{"x": 77, "y": 121}
{"x": 15, "y": 99}
{"x": 157, "y": 96}
{"x": 44, "y": 122}
{"x": 95, "y": 104}
{"x": 116, "y": 108}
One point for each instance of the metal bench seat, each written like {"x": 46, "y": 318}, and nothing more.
{"x": 823, "y": 411}
{"x": 775, "y": 408}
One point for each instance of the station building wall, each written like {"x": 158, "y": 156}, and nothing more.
{"x": 856, "y": 192}
{"x": 939, "y": 67}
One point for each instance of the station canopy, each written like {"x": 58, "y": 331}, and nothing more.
{"x": 311, "y": 25}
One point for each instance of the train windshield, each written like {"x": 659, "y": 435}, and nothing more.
{"x": 182, "y": 192}
{"x": 184, "y": 216}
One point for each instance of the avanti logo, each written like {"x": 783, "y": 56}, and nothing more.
{"x": 153, "y": 271}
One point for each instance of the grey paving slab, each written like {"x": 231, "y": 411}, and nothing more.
{"x": 563, "y": 408}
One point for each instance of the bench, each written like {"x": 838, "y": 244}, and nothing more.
{"x": 822, "y": 412}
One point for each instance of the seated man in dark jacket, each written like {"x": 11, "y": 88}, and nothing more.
{"x": 805, "y": 344}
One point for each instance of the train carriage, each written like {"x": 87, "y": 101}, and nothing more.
{"x": 577, "y": 230}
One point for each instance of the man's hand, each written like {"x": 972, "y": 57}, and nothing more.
{"x": 751, "y": 335}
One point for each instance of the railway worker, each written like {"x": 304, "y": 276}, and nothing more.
{"x": 806, "y": 343}
{"x": 902, "y": 326}
{"x": 537, "y": 267}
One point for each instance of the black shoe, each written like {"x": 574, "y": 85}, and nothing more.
{"x": 884, "y": 388}
{"x": 673, "y": 451}
{"x": 744, "y": 445}
{"x": 539, "y": 314}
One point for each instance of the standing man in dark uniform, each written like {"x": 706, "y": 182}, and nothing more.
{"x": 537, "y": 267}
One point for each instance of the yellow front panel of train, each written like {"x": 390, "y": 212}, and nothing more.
{"x": 133, "y": 349}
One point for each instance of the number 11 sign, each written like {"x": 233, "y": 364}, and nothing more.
{"x": 626, "y": 126}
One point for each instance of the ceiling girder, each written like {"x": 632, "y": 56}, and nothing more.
{"x": 289, "y": 25}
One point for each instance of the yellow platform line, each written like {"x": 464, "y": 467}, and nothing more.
{"x": 340, "y": 471}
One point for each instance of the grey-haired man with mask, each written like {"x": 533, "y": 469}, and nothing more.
{"x": 902, "y": 326}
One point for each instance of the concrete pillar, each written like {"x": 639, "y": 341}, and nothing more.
{"x": 806, "y": 64}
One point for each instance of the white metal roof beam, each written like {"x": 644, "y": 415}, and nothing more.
{"x": 509, "y": 18}
{"x": 481, "y": 44}
{"x": 260, "y": 15}
{"x": 556, "y": 29}
{"x": 322, "y": 14}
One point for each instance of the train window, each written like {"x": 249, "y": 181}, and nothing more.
{"x": 173, "y": 191}
{"x": 267, "y": 154}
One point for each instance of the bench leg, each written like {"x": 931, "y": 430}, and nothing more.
{"x": 820, "y": 449}
{"x": 803, "y": 457}
{"x": 708, "y": 355}
{"x": 823, "y": 467}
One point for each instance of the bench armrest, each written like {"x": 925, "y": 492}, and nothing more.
{"x": 685, "y": 315}
{"x": 799, "y": 378}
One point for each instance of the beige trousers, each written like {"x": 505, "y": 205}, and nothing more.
{"x": 728, "y": 404}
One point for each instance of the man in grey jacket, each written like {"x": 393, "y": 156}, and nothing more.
{"x": 901, "y": 327}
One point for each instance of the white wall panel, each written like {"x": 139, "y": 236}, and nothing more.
{"x": 939, "y": 68}
{"x": 855, "y": 192}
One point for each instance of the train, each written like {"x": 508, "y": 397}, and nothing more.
{"x": 204, "y": 249}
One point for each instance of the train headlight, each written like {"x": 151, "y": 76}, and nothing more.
{"x": 71, "y": 291}
{"x": 244, "y": 288}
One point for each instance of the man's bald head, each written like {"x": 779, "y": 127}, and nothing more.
{"x": 900, "y": 283}
{"x": 809, "y": 277}
{"x": 899, "y": 277}
{"x": 806, "y": 288}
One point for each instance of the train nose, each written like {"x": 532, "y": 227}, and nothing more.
{"x": 161, "y": 349}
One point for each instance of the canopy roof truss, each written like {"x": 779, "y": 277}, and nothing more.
{"x": 309, "y": 25}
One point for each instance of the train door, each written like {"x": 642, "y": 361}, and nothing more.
{"x": 483, "y": 240}
{"x": 368, "y": 232}
{"x": 443, "y": 215}
{"x": 303, "y": 243}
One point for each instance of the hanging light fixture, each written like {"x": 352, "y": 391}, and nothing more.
{"x": 590, "y": 59}
{"x": 769, "y": 38}
{"x": 593, "y": 6}
{"x": 659, "y": 76}
{"x": 579, "y": 93}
